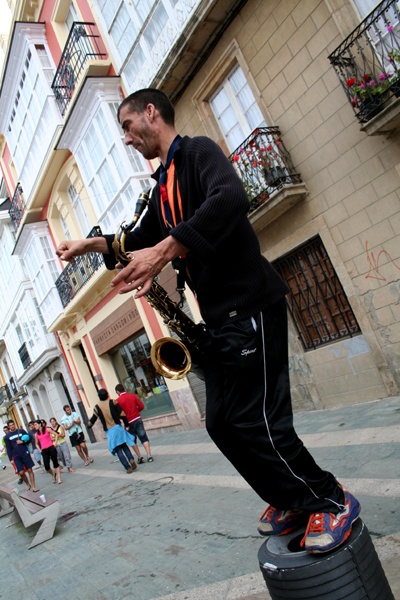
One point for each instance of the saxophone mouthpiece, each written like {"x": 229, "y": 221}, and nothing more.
{"x": 141, "y": 203}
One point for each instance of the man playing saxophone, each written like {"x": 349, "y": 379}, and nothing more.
{"x": 197, "y": 218}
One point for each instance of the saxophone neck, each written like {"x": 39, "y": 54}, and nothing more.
{"x": 123, "y": 230}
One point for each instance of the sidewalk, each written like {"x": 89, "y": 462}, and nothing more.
{"x": 184, "y": 526}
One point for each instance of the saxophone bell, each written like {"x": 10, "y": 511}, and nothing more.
{"x": 174, "y": 358}
{"x": 171, "y": 358}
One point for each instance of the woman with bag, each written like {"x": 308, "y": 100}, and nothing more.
{"x": 63, "y": 453}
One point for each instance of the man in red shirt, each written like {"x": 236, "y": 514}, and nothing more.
{"x": 132, "y": 405}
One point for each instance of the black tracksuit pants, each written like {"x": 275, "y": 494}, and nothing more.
{"x": 249, "y": 414}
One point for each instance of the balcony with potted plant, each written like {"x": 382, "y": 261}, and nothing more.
{"x": 367, "y": 64}
{"x": 269, "y": 177}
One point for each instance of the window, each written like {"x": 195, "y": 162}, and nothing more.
{"x": 32, "y": 121}
{"x": 317, "y": 301}
{"x": 64, "y": 226}
{"x": 44, "y": 270}
{"x": 79, "y": 210}
{"x": 155, "y": 26}
{"x": 141, "y": 32}
{"x": 235, "y": 109}
{"x": 28, "y": 323}
{"x": 135, "y": 158}
{"x": 120, "y": 25}
{"x": 94, "y": 158}
{"x": 112, "y": 185}
{"x": 71, "y": 18}
{"x": 365, "y": 6}
{"x": 135, "y": 370}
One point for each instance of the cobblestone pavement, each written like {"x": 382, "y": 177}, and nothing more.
{"x": 184, "y": 526}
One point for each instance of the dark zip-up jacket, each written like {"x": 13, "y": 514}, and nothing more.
{"x": 229, "y": 275}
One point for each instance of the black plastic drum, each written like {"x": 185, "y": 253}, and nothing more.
{"x": 352, "y": 571}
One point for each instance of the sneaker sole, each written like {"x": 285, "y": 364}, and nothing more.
{"x": 284, "y": 532}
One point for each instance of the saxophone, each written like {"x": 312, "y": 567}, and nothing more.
{"x": 171, "y": 358}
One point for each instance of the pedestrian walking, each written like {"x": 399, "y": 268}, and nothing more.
{"x": 19, "y": 455}
{"x": 132, "y": 406}
{"x": 71, "y": 422}
{"x": 60, "y": 442}
{"x": 110, "y": 415}
{"x": 44, "y": 443}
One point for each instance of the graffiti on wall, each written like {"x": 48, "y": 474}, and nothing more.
{"x": 375, "y": 263}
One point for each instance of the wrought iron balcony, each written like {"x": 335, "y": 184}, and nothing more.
{"x": 13, "y": 386}
{"x": 5, "y": 393}
{"x": 264, "y": 165}
{"x": 77, "y": 274}
{"x": 81, "y": 47}
{"x": 17, "y": 209}
{"x": 24, "y": 356}
{"x": 367, "y": 62}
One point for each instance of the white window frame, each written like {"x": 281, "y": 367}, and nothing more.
{"x": 242, "y": 125}
{"x": 33, "y": 115}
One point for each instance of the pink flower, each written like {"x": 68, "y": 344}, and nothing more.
{"x": 390, "y": 28}
{"x": 235, "y": 157}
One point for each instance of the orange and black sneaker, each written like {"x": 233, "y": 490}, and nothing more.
{"x": 326, "y": 531}
{"x": 280, "y": 522}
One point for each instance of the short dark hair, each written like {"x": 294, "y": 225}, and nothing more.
{"x": 10, "y": 421}
{"x": 102, "y": 394}
{"x": 119, "y": 387}
{"x": 66, "y": 406}
{"x": 138, "y": 101}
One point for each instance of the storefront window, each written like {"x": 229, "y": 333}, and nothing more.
{"x": 136, "y": 372}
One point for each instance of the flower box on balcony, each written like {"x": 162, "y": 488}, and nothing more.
{"x": 367, "y": 64}
{"x": 386, "y": 121}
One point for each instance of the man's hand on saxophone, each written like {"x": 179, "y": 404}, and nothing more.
{"x": 146, "y": 264}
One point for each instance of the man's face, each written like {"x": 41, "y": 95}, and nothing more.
{"x": 32, "y": 426}
{"x": 139, "y": 132}
{"x": 6, "y": 430}
{"x": 11, "y": 426}
{"x": 67, "y": 410}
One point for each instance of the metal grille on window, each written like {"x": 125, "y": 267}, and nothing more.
{"x": 317, "y": 301}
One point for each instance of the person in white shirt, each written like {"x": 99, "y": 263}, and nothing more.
{"x": 71, "y": 422}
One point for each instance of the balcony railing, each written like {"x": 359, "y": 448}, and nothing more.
{"x": 17, "y": 209}
{"x": 367, "y": 62}
{"x": 77, "y": 274}
{"x": 13, "y": 386}
{"x": 24, "y": 356}
{"x": 5, "y": 393}
{"x": 264, "y": 165}
{"x": 81, "y": 47}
